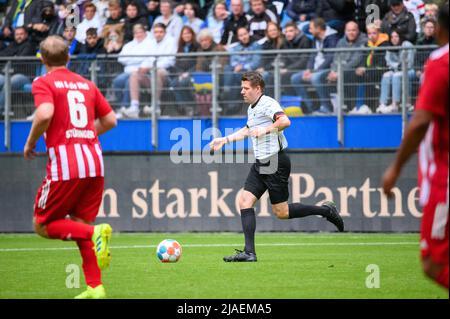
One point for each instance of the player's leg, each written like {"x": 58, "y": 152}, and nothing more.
{"x": 253, "y": 190}
{"x": 278, "y": 185}
{"x": 53, "y": 202}
{"x": 95, "y": 252}
{"x": 92, "y": 273}
{"x": 86, "y": 209}
{"x": 247, "y": 202}
{"x": 436, "y": 271}
{"x": 434, "y": 242}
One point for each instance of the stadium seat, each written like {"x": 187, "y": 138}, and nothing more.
{"x": 292, "y": 105}
{"x": 203, "y": 86}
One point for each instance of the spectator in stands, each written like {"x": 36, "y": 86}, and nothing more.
{"x": 140, "y": 46}
{"x": 427, "y": 37}
{"x": 431, "y": 10}
{"x": 293, "y": 63}
{"x": 190, "y": 19}
{"x": 172, "y": 21}
{"x": 350, "y": 60}
{"x": 69, "y": 36}
{"x": 152, "y": 12}
{"x": 181, "y": 82}
{"x": 161, "y": 43}
{"x": 318, "y": 67}
{"x": 206, "y": 41}
{"x": 240, "y": 64}
{"x": 20, "y": 14}
{"x": 274, "y": 40}
{"x": 21, "y": 46}
{"x": 94, "y": 45}
{"x": 398, "y": 18}
{"x": 133, "y": 17}
{"x": 116, "y": 17}
{"x": 204, "y": 65}
{"x": 372, "y": 67}
{"x": 372, "y": 7}
{"x": 269, "y": 4}
{"x": 236, "y": 19}
{"x": 417, "y": 8}
{"x": 428, "y": 34}
{"x": 392, "y": 79}
{"x": 113, "y": 41}
{"x": 216, "y": 22}
{"x": 302, "y": 10}
{"x": 91, "y": 20}
{"x": 336, "y": 13}
{"x": 261, "y": 16}
{"x": 45, "y": 24}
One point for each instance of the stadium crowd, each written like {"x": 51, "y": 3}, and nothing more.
{"x": 146, "y": 27}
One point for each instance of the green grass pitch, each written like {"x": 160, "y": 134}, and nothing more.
{"x": 290, "y": 265}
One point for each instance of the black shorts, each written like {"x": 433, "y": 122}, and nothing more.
{"x": 277, "y": 183}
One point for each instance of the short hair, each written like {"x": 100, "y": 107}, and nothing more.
{"x": 139, "y": 26}
{"x": 91, "y": 32}
{"x": 133, "y": 4}
{"x": 242, "y": 27}
{"x": 114, "y": 3}
{"x": 319, "y": 23}
{"x": 160, "y": 25}
{"x": 255, "y": 79}
{"x": 291, "y": 24}
{"x": 167, "y": 1}
{"x": 54, "y": 51}
{"x": 443, "y": 16}
{"x": 251, "y": 2}
{"x": 429, "y": 20}
{"x": 90, "y": 5}
{"x": 23, "y": 28}
{"x": 373, "y": 26}
{"x": 204, "y": 33}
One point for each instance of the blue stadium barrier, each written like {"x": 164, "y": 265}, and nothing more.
{"x": 308, "y": 132}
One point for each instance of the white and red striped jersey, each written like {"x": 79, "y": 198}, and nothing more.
{"x": 434, "y": 149}
{"x": 71, "y": 139}
{"x": 417, "y": 8}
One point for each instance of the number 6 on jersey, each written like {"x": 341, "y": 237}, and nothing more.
{"x": 78, "y": 111}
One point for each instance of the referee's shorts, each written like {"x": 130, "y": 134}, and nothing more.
{"x": 277, "y": 183}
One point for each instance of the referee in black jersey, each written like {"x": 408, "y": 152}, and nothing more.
{"x": 265, "y": 124}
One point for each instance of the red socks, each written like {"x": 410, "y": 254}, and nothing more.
{"x": 67, "y": 229}
{"x": 91, "y": 271}
{"x": 442, "y": 279}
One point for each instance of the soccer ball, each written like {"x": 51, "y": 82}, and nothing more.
{"x": 168, "y": 251}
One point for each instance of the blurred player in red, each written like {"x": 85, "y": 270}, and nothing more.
{"x": 71, "y": 113}
{"x": 429, "y": 128}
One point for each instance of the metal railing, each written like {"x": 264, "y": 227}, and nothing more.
{"x": 214, "y": 92}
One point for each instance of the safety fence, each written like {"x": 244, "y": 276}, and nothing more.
{"x": 207, "y": 85}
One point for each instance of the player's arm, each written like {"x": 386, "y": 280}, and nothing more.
{"x": 219, "y": 142}
{"x": 104, "y": 114}
{"x": 414, "y": 134}
{"x": 105, "y": 123}
{"x": 281, "y": 122}
{"x": 41, "y": 122}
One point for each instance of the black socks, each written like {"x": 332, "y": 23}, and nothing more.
{"x": 248, "y": 219}
{"x": 297, "y": 210}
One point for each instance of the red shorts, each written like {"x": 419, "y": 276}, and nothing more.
{"x": 434, "y": 230}
{"x": 79, "y": 198}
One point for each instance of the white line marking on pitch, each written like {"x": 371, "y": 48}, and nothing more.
{"x": 219, "y": 245}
